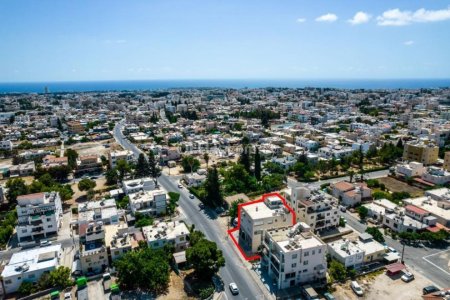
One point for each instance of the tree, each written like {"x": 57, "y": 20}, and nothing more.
{"x": 257, "y": 164}
{"x": 143, "y": 220}
{"x": 16, "y": 187}
{"x": 59, "y": 278}
{"x": 233, "y": 211}
{"x": 155, "y": 171}
{"x": 173, "y": 202}
{"x": 144, "y": 269}
{"x": 142, "y": 167}
{"x": 213, "y": 196}
{"x": 111, "y": 176}
{"x": 86, "y": 184}
{"x": 244, "y": 159}
{"x": 206, "y": 158}
{"x": 372, "y": 151}
{"x": 205, "y": 258}
{"x": 376, "y": 233}
{"x": 123, "y": 168}
{"x": 351, "y": 173}
{"x": 72, "y": 156}
{"x": 337, "y": 271}
{"x": 190, "y": 164}
{"x": 363, "y": 212}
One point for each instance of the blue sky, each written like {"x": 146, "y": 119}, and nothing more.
{"x": 57, "y": 40}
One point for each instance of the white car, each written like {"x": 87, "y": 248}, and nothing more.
{"x": 45, "y": 243}
{"x": 357, "y": 288}
{"x": 390, "y": 249}
{"x": 233, "y": 288}
{"x": 191, "y": 196}
{"x": 67, "y": 296}
{"x": 408, "y": 276}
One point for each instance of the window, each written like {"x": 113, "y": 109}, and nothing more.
{"x": 294, "y": 256}
{"x": 8, "y": 281}
{"x": 48, "y": 219}
{"x": 319, "y": 251}
{"x": 305, "y": 263}
{"x": 294, "y": 265}
{"x": 181, "y": 238}
{"x": 313, "y": 252}
{"x": 305, "y": 270}
{"x": 49, "y": 226}
{"x": 306, "y": 253}
{"x": 24, "y": 231}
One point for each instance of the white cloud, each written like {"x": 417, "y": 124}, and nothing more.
{"x": 301, "y": 20}
{"x": 396, "y": 17}
{"x": 359, "y": 18}
{"x": 327, "y": 18}
{"x": 408, "y": 43}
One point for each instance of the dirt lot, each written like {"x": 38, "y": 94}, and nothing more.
{"x": 383, "y": 287}
{"x": 95, "y": 147}
{"x": 395, "y": 185}
{"x": 77, "y": 193}
{"x": 176, "y": 289}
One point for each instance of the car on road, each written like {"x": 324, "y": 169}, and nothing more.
{"x": 180, "y": 186}
{"x": 357, "y": 288}
{"x": 429, "y": 289}
{"x": 407, "y": 277}
{"x": 342, "y": 208}
{"x": 191, "y": 196}
{"x": 234, "y": 288}
{"x": 329, "y": 296}
{"x": 390, "y": 249}
{"x": 67, "y": 296}
{"x": 44, "y": 243}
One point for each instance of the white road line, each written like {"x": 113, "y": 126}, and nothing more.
{"x": 424, "y": 258}
{"x": 436, "y": 253}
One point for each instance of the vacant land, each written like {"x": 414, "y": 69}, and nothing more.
{"x": 384, "y": 287}
{"x": 395, "y": 185}
{"x": 97, "y": 148}
{"x": 176, "y": 288}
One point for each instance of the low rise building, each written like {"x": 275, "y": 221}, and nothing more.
{"x": 138, "y": 185}
{"x": 29, "y": 266}
{"x": 88, "y": 164}
{"x": 152, "y": 202}
{"x": 120, "y": 239}
{"x": 93, "y": 211}
{"x": 93, "y": 254}
{"x": 425, "y": 152}
{"x": 350, "y": 194}
{"x": 26, "y": 169}
{"x": 115, "y": 156}
{"x": 160, "y": 234}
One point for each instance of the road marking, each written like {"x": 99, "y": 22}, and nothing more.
{"x": 436, "y": 253}
{"x": 425, "y": 258}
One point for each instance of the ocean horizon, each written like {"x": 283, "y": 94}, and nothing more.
{"x": 143, "y": 85}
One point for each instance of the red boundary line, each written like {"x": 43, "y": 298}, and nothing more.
{"x": 265, "y": 196}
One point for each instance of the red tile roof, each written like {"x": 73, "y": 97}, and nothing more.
{"x": 416, "y": 209}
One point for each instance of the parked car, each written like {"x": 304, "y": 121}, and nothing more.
{"x": 342, "y": 208}
{"x": 45, "y": 243}
{"x": 67, "y": 296}
{"x": 390, "y": 249}
{"x": 329, "y": 296}
{"x": 408, "y": 276}
{"x": 191, "y": 196}
{"x": 429, "y": 289}
{"x": 356, "y": 288}
{"x": 233, "y": 288}
{"x": 180, "y": 186}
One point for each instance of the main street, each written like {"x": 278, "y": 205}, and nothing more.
{"x": 235, "y": 269}
{"x": 415, "y": 257}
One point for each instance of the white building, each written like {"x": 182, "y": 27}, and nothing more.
{"x": 411, "y": 169}
{"x": 162, "y": 233}
{"x": 257, "y": 217}
{"x": 293, "y": 256}
{"x": 38, "y": 215}
{"x": 152, "y": 202}
{"x": 6, "y": 145}
{"x": 104, "y": 210}
{"x": 93, "y": 255}
{"x": 346, "y": 252}
{"x": 138, "y": 185}
{"x": 115, "y": 156}
{"x": 436, "y": 175}
{"x": 29, "y": 265}
{"x": 315, "y": 208}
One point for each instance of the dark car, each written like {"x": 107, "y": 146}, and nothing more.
{"x": 429, "y": 289}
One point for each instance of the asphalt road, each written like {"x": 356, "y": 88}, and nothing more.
{"x": 413, "y": 255}
{"x": 207, "y": 222}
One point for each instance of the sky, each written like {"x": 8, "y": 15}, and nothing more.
{"x": 85, "y": 40}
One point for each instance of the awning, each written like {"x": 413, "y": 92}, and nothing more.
{"x": 391, "y": 257}
{"x": 395, "y": 268}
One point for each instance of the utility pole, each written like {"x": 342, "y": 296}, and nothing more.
{"x": 403, "y": 251}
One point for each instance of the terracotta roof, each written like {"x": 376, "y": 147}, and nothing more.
{"x": 437, "y": 227}
{"x": 416, "y": 209}
{"x": 343, "y": 186}
{"x": 31, "y": 196}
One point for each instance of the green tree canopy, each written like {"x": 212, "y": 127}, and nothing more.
{"x": 142, "y": 167}
{"x": 190, "y": 164}
{"x": 205, "y": 258}
{"x": 86, "y": 184}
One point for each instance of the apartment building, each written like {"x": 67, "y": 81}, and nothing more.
{"x": 38, "y": 216}
{"x": 115, "y": 156}
{"x": 120, "y": 239}
{"x": 93, "y": 254}
{"x": 293, "y": 255}
{"x": 315, "y": 208}
{"x": 104, "y": 210}
{"x": 25, "y": 169}
{"x": 75, "y": 127}
{"x": 88, "y": 164}
{"x": 138, "y": 185}
{"x": 29, "y": 266}
{"x": 425, "y": 152}
{"x": 257, "y": 217}
{"x": 50, "y": 161}
{"x": 162, "y": 233}
{"x": 6, "y": 145}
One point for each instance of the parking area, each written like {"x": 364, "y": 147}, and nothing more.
{"x": 383, "y": 286}
{"x": 440, "y": 260}
{"x": 95, "y": 290}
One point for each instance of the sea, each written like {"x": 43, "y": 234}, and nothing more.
{"x": 144, "y": 85}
